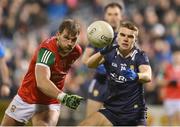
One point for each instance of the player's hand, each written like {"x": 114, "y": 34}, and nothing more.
{"x": 130, "y": 75}
{"x": 108, "y": 49}
{"x": 71, "y": 101}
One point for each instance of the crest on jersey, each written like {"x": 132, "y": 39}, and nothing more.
{"x": 132, "y": 67}
{"x": 13, "y": 108}
{"x": 95, "y": 92}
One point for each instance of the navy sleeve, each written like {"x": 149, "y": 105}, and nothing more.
{"x": 142, "y": 59}
{"x": 107, "y": 58}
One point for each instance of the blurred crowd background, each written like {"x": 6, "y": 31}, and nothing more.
{"x": 25, "y": 23}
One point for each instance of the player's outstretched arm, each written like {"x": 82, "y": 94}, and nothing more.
{"x": 44, "y": 83}
{"x": 87, "y": 54}
{"x": 98, "y": 58}
{"x": 95, "y": 60}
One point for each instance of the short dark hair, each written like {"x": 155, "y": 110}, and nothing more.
{"x": 113, "y": 4}
{"x": 71, "y": 26}
{"x": 130, "y": 25}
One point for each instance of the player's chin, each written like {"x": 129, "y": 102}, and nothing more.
{"x": 67, "y": 50}
{"x": 124, "y": 47}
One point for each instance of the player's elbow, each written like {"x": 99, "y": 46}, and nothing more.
{"x": 147, "y": 79}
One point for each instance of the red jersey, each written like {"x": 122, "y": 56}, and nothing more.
{"x": 47, "y": 54}
{"x": 172, "y": 73}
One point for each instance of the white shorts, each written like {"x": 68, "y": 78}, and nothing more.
{"x": 22, "y": 111}
{"x": 172, "y": 106}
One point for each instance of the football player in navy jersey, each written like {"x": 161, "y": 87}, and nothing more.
{"x": 113, "y": 14}
{"x": 127, "y": 70}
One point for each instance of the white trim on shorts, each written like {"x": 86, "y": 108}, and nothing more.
{"x": 22, "y": 111}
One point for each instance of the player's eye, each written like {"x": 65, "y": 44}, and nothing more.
{"x": 109, "y": 14}
{"x": 130, "y": 36}
{"x": 123, "y": 35}
{"x": 66, "y": 37}
{"x": 116, "y": 14}
{"x": 74, "y": 40}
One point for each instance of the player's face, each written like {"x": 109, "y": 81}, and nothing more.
{"x": 66, "y": 41}
{"x": 126, "y": 39}
{"x": 113, "y": 16}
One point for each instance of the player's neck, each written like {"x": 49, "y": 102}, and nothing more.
{"x": 125, "y": 53}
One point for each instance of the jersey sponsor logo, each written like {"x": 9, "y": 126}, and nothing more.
{"x": 95, "y": 93}
{"x": 132, "y": 67}
{"x": 118, "y": 78}
{"x": 46, "y": 56}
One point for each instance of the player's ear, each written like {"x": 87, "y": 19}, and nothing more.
{"x": 136, "y": 39}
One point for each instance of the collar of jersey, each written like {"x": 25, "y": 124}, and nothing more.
{"x": 129, "y": 55}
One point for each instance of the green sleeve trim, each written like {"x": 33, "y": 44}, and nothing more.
{"x": 45, "y": 56}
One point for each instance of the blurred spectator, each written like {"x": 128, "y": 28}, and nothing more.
{"x": 169, "y": 79}
{"x": 57, "y": 9}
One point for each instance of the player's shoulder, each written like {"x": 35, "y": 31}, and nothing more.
{"x": 139, "y": 51}
{"x": 77, "y": 49}
{"x": 49, "y": 43}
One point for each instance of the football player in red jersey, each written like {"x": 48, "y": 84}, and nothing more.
{"x": 40, "y": 93}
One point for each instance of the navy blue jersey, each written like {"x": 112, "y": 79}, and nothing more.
{"x": 2, "y": 51}
{"x": 124, "y": 98}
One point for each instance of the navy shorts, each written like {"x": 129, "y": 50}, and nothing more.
{"x": 127, "y": 120}
{"x": 98, "y": 89}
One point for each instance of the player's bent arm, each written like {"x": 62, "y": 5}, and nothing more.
{"x": 87, "y": 54}
{"x": 44, "y": 83}
{"x": 145, "y": 73}
{"x": 95, "y": 60}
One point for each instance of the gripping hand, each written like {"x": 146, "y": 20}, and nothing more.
{"x": 71, "y": 101}
{"x": 130, "y": 75}
{"x": 108, "y": 49}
